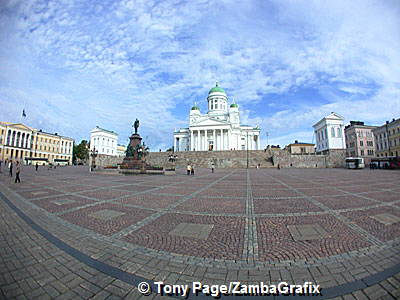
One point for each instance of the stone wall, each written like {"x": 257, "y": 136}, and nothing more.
{"x": 221, "y": 159}
{"x": 334, "y": 159}
{"x": 238, "y": 159}
{"x": 103, "y": 160}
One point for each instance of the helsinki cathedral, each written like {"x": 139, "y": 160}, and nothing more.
{"x": 218, "y": 129}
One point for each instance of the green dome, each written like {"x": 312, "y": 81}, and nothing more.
{"x": 234, "y": 105}
{"x": 195, "y": 107}
{"x": 217, "y": 89}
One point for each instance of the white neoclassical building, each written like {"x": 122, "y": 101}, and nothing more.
{"x": 105, "y": 141}
{"x": 218, "y": 129}
{"x": 329, "y": 133}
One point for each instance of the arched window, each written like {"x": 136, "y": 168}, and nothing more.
{"x": 333, "y": 132}
{"x": 18, "y": 137}
{"x": 8, "y": 137}
{"x": 13, "y": 139}
{"x": 339, "y": 132}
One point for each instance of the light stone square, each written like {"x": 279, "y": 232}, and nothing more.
{"x": 39, "y": 193}
{"x": 307, "y": 232}
{"x": 192, "y": 230}
{"x": 106, "y": 214}
{"x": 386, "y": 219}
{"x": 63, "y": 201}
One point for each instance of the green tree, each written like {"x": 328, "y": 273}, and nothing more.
{"x": 81, "y": 151}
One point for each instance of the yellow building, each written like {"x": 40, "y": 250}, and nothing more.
{"x": 394, "y": 137}
{"x": 121, "y": 150}
{"x": 31, "y": 146}
{"x": 300, "y": 148}
{"x": 387, "y": 139}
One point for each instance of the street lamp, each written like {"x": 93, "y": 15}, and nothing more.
{"x": 93, "y": 154}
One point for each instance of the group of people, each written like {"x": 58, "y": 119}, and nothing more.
{"x": 10, "y": 166}
{"x": 190, "y": 169}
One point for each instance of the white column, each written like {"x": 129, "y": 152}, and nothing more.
{"x": 191, "y": 140}
{"x": 229, "y": 139}
{"x": 205, "y": 141}
{"x": 198, "y": 140}
{"x": 215, "y": 140}
{"x": 222, "y": 138}
{"x": 258, "y": 143}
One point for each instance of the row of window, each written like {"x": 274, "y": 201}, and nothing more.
{"x": 97, "y": 142}
{"x": 215, "y": 104}
{"x": 15, "y": 153}
{"x": 25, "y": 140}
{"x": 323, "y": 134}
{"x": 390, "y": 132}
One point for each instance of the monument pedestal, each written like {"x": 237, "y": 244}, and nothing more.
{"x": 134, "y": 162}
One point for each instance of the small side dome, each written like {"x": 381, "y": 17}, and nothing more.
{"x": 195, "y": 107}
{"x": 234, "y": 105}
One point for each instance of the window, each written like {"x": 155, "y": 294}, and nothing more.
{"x": 333, "y": 132}
{"x": 361, "y": 143}
{"x": 362, "y": 152}
{"x": 339, "y": 132}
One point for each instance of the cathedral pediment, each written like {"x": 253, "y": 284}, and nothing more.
{"x": 210, "y": 122}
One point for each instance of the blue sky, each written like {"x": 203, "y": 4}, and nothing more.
{"x": 76, "y": 64}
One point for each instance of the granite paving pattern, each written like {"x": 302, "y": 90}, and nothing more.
{"x": 329, "y": 226}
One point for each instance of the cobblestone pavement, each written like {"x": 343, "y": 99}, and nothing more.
{"x": 70, "y": 234}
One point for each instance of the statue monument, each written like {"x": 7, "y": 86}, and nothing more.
{"x": 136, "y": 125}
{"x": 135, "y": 156}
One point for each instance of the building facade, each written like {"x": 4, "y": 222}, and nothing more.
{"x": 394, "y": 137}
{"x": 104, "y": 141}
{"x": 387, "y": 139}
{"x": 381, "y": 141}
{"x": 121, "y": 150}
{"x": 30, "y": 146}
{"x": 300, "y": 148}
{"x": 219, "y": 129}
{"x": 360, "y": 141}
{"x": 329, "y": 133}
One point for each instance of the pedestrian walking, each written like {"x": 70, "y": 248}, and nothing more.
{"x": 188, "y": 169}
{"x": 192, "y": 170}
{"x": 279, "y": 167}
{"x": 212, "y": 167}
{"x": 36, "y": 167}
{"x": 10, "y": 167}
{"x": 17, "y": 171}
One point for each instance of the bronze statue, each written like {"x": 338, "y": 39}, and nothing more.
{"x": 136, "y": 125}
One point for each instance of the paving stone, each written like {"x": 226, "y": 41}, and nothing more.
{"x": 323, "y": 215}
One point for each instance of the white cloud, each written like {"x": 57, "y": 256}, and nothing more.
{"x": 98, "y": 62}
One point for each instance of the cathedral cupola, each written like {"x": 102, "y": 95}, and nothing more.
{"x": 217, "y": 99}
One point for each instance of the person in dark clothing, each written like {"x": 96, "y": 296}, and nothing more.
{"x": 10, "y": 166}
{"x": 212, "y": 168}
{"x": 192, "y": 170}
{"x": 17, "y": 171}
{"x": 36, "y": 167}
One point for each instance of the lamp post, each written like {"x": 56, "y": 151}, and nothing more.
{"x": 93, "y": 154}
